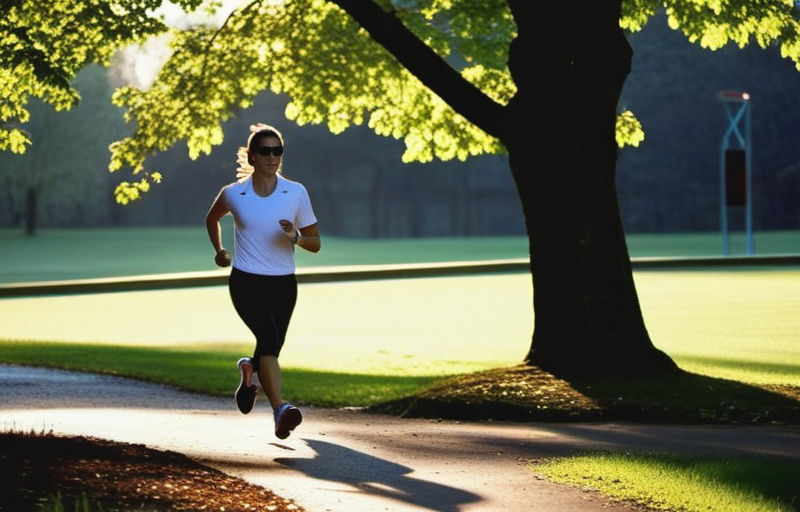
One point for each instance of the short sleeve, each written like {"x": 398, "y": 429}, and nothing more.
{"x": 305, "y": 213}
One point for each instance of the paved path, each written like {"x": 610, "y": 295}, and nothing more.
{"x": 349, "y": 461}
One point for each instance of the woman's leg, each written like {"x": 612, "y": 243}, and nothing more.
{"x": 287, "y": 416}
{"x": 283, "y": 298}
{"x": 269, "y": 375}
{"x": 265, "y": 304}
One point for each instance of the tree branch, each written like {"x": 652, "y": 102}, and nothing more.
{"x": 419, "y": 59}
{"x": 233, "y": 14}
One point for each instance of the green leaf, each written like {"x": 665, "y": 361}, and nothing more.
{"x": 629, "y": 130}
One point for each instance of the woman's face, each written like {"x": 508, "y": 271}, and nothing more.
{"x": 265, "y": 161}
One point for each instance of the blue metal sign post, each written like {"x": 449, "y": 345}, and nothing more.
{"x": 736, "y": 173}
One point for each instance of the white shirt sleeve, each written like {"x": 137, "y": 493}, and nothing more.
{"x": 305, "y": 213}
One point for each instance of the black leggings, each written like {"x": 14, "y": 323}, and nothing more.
{"x": 265, "y": 304}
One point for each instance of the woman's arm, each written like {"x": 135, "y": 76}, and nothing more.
{"x": 218, "y": 210}
{"x": 308, "y": 237}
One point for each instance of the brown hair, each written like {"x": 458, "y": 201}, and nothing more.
{"x": 244, "y": 155}
{"x": 260, "y": 131}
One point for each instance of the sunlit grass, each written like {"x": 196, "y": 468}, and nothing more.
{"x": 686, "y": 483}
{"x": 735, "y": 324}
{"x": 414, "y": 327}
{"x": 741, "y": 325}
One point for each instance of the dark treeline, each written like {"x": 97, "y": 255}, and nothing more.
{"x": 361, "y": 188}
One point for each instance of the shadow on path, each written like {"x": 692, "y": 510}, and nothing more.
{"x": 376, "y": 476}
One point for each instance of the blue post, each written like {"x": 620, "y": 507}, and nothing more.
{"x": 751, "y": 245}
{"x": 736, "y": 166}
{"x": 723, "y": 207}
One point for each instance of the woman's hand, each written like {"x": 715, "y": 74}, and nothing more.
{"x": 309, "y": 241}
{"x": 223, "y": 258}
{"x": 288, "y": 228}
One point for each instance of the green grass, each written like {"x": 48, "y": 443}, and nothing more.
{"x": 736, "y": 324}
{"x": 88, "y": 253}
{"x": 647, "y": 245}
{"x": 209, "y": 371}
{"x": 363, "y": 343}
{"x": 377, "y": 341}
{"x": 730, "y": 323}
{"x": 56, "y": 503}
{"x": 418, "y": 327}
{"x": 191, "y": 369}
{"x": 57, "y": 254}
{"x": 686, "y": 483}
{"x": 727, "y": 323}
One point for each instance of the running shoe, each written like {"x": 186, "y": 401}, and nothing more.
{"x": 246, "y": 392}
{"x": 287, "y": 417}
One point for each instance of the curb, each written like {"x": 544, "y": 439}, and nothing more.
{"x": 360, "y": 273}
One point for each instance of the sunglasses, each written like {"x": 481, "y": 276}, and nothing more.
{"x": 266, "y": 150}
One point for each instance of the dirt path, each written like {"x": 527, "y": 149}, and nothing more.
{"x": 349, "y": 461}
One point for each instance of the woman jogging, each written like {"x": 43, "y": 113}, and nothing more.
{"x": 271, "y": 216}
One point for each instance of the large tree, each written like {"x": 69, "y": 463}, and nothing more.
{"x": 454, "y": 78}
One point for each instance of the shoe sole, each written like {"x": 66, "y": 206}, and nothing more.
{"x": 245, "y": 394}
{"x": 290, "y": 419}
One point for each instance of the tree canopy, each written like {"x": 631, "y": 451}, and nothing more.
{"x": 44, "y": 45}
{"x": 319, "y": 54}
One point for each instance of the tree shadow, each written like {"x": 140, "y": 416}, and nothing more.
{"x": 528, "y": 393}
{"x": 684, "y": 397}
{"x": 376, "y": 476}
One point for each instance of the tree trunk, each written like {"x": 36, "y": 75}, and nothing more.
{"x": 569, "y": 62}
{"x": 587, "y": 314}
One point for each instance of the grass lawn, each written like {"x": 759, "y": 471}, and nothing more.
{"x": 57, "y": 254}
{"x": 728, "y": 323}
{"x": 361, "y": 343}
{"x": 735, "y": 324}
{"x": 339, "y": 328}
{"x": 87, "y": 253}
{"x": 686, "y": 483}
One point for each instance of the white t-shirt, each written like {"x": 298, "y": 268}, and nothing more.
{"x": 262, "y": 246}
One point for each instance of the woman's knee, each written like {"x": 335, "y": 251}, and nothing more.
{"x": 267, "y": 348}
